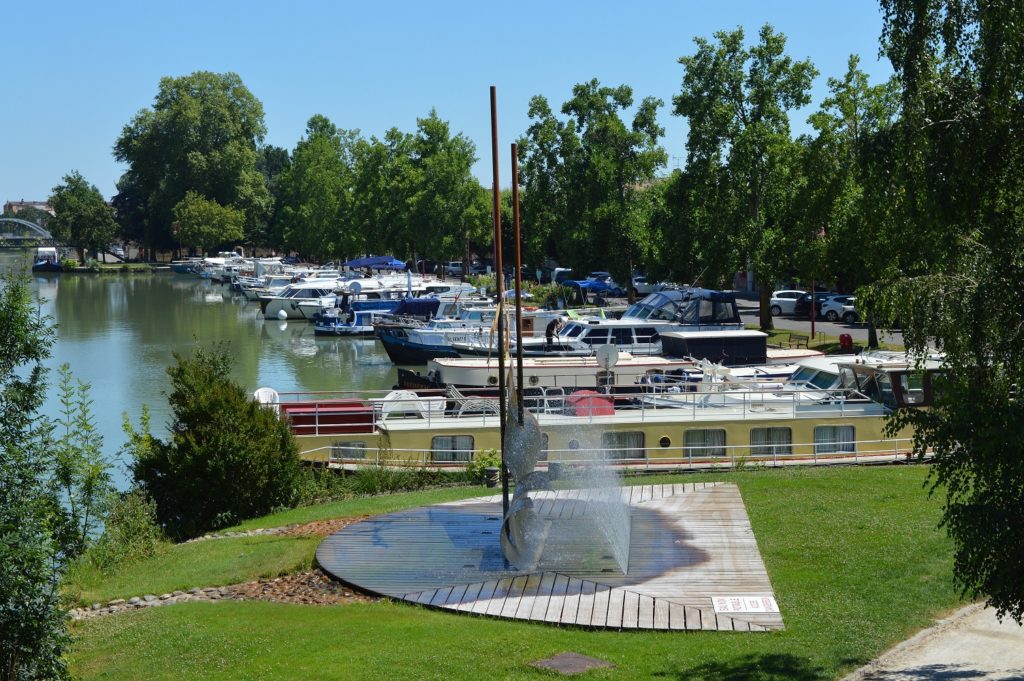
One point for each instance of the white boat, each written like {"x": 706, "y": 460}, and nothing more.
{"x": 286, "y": 305}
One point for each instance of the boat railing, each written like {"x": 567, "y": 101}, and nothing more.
{"x": 324, "y": 412}
{"x": 728, "y": 457}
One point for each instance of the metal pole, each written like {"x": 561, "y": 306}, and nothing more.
{"x": 501, "y": 296}
{"x": 519, "y": 280}
{"x": 814, "y": 311}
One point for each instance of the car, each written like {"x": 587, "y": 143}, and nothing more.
{"x": 784, "y": 302}
{"x": 642, "y": 287}
{"x": 603, "y": 284}
{"x": 561, "y": 274}
{"x": 116, "y": 250}
{"x": 453, "y": 268}
{"x": 840, "y": 307}
{"x": 803, "y": 303}
{"x": 477, "y": 269}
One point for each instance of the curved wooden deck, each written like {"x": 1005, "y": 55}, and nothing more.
{"x": 693, "y": 563}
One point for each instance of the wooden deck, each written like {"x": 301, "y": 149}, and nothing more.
{"x": 693, "y": 563}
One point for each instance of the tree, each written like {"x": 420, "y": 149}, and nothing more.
{"x": 228, "y": 458}
{"x": 384, "y": 186}
{"x": 736, "y": 101}
{"x": 83, "y": 219}
{"x": 30, "y": 213}
{"x": 33, "y": 636}
{"x": 959, "y": 219}
{"x": 449, "y": 207}
{"x": 205, "y": 223}
{"x": 315, "y": 212}
{"x": 543, "y": 179}
{"x": 272, "y": 163}
{"x": 201, "y": 135}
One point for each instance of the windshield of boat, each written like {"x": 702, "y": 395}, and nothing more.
{"x": 815, "y": 377}
{"x": 571, "y": 330}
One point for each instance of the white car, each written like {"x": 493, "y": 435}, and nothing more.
{"x": 784, "y": 302}
{"x": 453, "y": 268}
{"x": 840, "y": 307}
{"x": 643, "y": 287}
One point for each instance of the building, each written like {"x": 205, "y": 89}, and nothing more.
{"x": 14, "y": 207}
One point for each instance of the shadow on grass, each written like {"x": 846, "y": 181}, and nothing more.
{"x": 939, "y": 672}
{"x": 756, "y": 667}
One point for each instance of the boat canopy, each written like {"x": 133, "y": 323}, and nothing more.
{"x": 377, "y": 262}
{"x": 418, "y": 307}
{"x": 687, "y": 306}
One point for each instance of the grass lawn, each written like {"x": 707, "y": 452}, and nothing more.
{"x": 854, "y": 556}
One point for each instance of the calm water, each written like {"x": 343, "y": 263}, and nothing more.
{"x": 118, "y": 333}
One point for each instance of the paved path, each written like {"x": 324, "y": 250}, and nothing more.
{"x": 749, "y": 315}
{"x": 970, "y": 644}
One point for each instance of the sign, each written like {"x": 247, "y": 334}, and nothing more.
{"x": 746, "y": 604}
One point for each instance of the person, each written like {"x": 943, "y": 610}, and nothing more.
{"x": 551, "y": 331}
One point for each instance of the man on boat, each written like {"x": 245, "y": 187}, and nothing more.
{"x": 551, "y": 331}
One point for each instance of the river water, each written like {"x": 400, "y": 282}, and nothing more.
{"x": 118, "y": 333}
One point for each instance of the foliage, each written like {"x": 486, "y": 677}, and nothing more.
{"x": 69, "y": 263}
{"x": 584, "y": 178}
{"x": 130, "y": 532}
{"x": 740, "y": 155}
{"x": 81, "y": 482}
{"x": 475, "y": 469}
{"x": 30, "y": 213}
{"x": 32, "y": 628}
{"x": 958, "y": 171}
{"x": 315, "y": 211}
{"x": 204, "y": 223}
{"x": 201, "y": 135}
{"x": 228, "y": 458}
{"x": 83, "y": 219}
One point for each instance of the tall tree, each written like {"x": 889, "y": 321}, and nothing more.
{"x": 316, "y": 208}
{"x": 272, "y": 163}
{"x": 736, "y": 100}
{"x": 33, "y": 636}
{"x": 198, "y": 221}
{"x": 542, "y": 176}
{"x": 959, "y": 215}
{"x": 449, "y": 207}
{"x": 384, "y": 189}
{"x": 83, "y": 219}
{"x": 201, "y": 135}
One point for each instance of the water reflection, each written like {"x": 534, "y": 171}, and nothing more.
{"x": 118, "y": 332}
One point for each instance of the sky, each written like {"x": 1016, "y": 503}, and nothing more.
{"x": 74, "y": 73}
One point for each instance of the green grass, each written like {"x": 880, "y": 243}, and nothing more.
{"x": 822, "y": 342}
{"x": 854, "y": 556}
{"x": 208, "y": 563}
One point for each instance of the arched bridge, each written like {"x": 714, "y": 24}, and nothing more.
{"x": 18, "y": 233}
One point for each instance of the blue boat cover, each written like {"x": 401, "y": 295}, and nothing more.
{"x": 418, "y": 307}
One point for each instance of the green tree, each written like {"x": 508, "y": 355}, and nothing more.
{"x": 316, "y": 204}
{"x": 33, "y": 636}
{"x": 228, "y": 457}
{"x": 201, "y": 135}
{"x": 384, "y": 186}
{"x": 32, "y": 214}
{"x": 736, "y": 100}
{"x": 205, "y": 223}
{"x": 542, "y": 175}
{"x": 959, "y": 220}
{"x": 83, "y": 219}
{"x": 272, "y": 163}
{"x": 449, "y": 207}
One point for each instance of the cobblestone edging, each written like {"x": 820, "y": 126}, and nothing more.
{"x": 312, "y": 587}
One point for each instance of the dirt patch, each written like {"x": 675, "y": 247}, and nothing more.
{"x": 320, "y": 528}
{"x": 307, "y": 588}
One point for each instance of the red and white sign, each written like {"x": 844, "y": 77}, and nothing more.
{"x": 747, "y": 604}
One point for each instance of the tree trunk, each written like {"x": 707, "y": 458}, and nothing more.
{"x": 872, "y": 334}
{"x": 765, "y": 305}
{"x": 630, "y": 291}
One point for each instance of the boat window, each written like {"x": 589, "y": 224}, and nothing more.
{"x": 626, "y": 445}
{"x": 834, "y": 440}
{"x": 622, "y": 335}
{"x": 705, "y": 442}
{"x": 348, "y": 450}
{"x": 803, "y": 374}
{"x": 847, "y": 379}
{"x": 912, "y": 389}
{"x": 571, "y": 330}
{"x": 646, "y": 334}
{"x": 707, "y": 311}
{"x": 771, "y": 441}
{"x": 823, "y": 380}
{"x": 885, "y": 392}
{"x": 596, "y": 337}
{"x": 451, "y": 448}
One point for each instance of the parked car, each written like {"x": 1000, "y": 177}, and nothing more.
{"x": 453, "y": 268}
{"x": 116, "y": 250}
{"x": 803, "y": 303}
{"x": 478, "y": 269}
{"x": 840, "y": 307}
{"x": 784, "y": 302}
{"x": 604, "y": 285}
{"x": 642, "y": 287}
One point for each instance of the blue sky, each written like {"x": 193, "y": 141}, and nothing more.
{"x": 75, "y": 73}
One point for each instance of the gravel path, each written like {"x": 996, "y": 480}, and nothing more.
{"x": 970, "y": 644}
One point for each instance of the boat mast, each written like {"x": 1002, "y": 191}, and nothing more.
{"x": 499, "y": 282}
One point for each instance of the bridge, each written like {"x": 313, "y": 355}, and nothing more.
{"x": 18, "y": 233}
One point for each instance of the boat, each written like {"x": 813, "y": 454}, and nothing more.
{"x": 448, "y": 428}
{"x": 286, "y": 305}
{"x": 355, "y": 324}
{"x": 47, "y": 259}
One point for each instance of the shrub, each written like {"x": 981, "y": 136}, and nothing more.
{"x": 228, "y": 458}
{"x": 131, "y": 532}
{"x": 69, "y": 263}
{"x": 488, "y": 458}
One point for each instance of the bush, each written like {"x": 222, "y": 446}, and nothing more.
{"x": 488, "y": 458}
{"x": 131, "y": 532}
{"x": 228, "y": 459}
{"x": 69, "y": 263}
